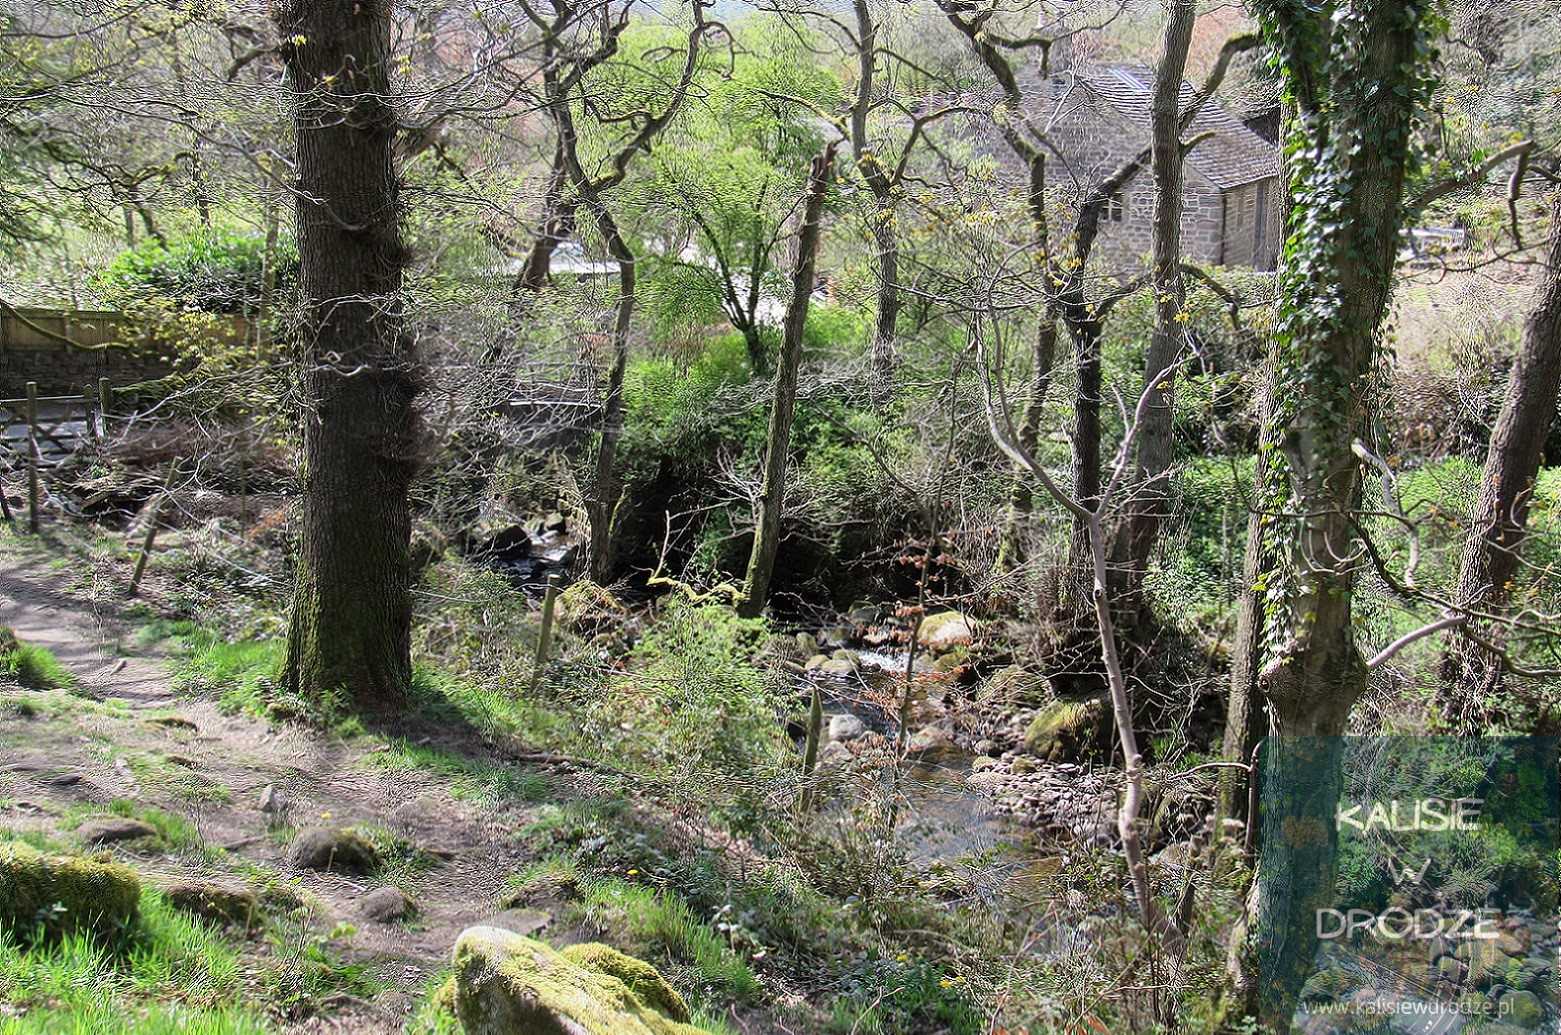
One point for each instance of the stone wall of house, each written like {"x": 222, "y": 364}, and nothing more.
{"x": 67, "y": 351}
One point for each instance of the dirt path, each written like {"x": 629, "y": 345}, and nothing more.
{"x": 145, "y": 744}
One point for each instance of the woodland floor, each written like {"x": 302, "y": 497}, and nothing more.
{"x": 146, "y": 743}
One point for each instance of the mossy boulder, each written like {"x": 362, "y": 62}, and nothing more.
{"x": 1073, "y": 730}
{"x": 49, "y": 896}
{"x": 506, "y": 984}
{"x": 217, "y": 904}
{"x": 644, "y": 980}
{"x": 944, "y": 631}
{"x": 1014, "y": 686}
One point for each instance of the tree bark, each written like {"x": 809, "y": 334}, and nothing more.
{"x": 881, "y": 355}
{"x": 1355, "y": 69}
{"x": 767, "y": 531}
{"x": 1151, "y": 501}
{"x": 1470, "y": 674}
{"x": 352, "y": 608}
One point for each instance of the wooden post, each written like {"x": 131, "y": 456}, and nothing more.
{"x": 545, "y": 638}
{"x": 105, "y": 401}
{"x": 810, "y": 751}
{"x": 32, "y": 457}
{"x": 153, "y": 520}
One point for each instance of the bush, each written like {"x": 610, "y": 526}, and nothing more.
{"x": 211, "y": 272}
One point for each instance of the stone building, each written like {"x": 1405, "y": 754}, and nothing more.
{"x": 1098, "y": 116}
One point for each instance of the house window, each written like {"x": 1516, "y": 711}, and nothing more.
{"x": 1116, "y": 208}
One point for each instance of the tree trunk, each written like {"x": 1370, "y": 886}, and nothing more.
{"x": 1490, "y": 561}
{"x": 1246, "y": 723}
{"x": 1351, "y": 140}
{"x": 352, "y": 608}
{"x": 555, "y": 227}
{"x": 1086, "y": 445}
{"x": 1021, "y": 496}
{"x": 767, "y": 531}
{"x": 1151, "y": 501}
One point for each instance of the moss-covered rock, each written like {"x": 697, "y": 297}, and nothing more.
{"x": 48, "y": 896}
{"x": 506, "y": 984}
{"x": 217, "y": 904}
{"x": 644, "y": 980}
{"x": 944, "y": 631}
{"x": 1014, "y": 686}
{"x": 340, "y": 851}
{"x": 1070, "y": 730}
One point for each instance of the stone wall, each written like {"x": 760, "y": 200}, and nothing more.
{"x": 66, "y": 352}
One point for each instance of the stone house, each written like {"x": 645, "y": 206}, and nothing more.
{"x": 1098, "y": 116}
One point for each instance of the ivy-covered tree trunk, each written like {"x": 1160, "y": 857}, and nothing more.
{"x": 1357, "y": 71}
{"x": 1490, "y": 562}
{"x": 777, "y": 443}
{"x": 352, "y": 608}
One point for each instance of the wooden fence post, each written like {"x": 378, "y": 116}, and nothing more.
{"x": 152, "y": 522}
{"x": 105, "y": 401}
{"x": 32, "y": 457}
{"x": 545, "y": 637}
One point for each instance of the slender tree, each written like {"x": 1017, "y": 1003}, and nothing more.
{"x": 1471, "y": 673}
{"x": 352, "y": 610}
{"x": 777, "y": 444}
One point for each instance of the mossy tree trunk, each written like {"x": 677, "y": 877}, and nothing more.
{"x": 352, "y": 609}
{"x": 1357, "y": 72}
{"x": 777, "y": 443}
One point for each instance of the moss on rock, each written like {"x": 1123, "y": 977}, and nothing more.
{"x": 506, "y": 984}
{"x": 1070, "y": 731}
{"x": 49, "y": 896}
{"x": 644, "y": 980}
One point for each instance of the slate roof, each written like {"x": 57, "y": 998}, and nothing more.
{"x": 1233, "y": 156}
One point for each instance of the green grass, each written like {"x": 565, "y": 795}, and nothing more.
{"x": 79, "y": 986}
{"x": 174, "y": 831}
{"x": 474, "y": 779}
{"x": 32, "y": 666}
{"x": 243, "y": 674}
{"x": 651, "y": 924}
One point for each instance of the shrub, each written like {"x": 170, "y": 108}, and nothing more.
{"x": 211, "y": 272}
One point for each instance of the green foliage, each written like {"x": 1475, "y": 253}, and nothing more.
{"x": 692, "y": 705}
{"x": 209, "y": 272}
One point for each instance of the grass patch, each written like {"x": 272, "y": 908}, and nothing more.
{"x": 244, "y": 675}
{"x": 470, "y": 779}
{"x": 174, "y": 831}
{"x": 32, "y": 666}
{"x": 649, "y": 923}
{"x": 78, "y": 985}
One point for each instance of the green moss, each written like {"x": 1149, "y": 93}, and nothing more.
{"x": 1066, "y": 731}
{"x": 644, "y": 980}
{"x": 508, "y": 983}
{"x": 49, "y": 896}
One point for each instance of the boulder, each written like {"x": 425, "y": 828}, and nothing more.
{"x": 107, "y": 830}
{"x": 506, "y": 984}
{"x": 929, "y": 742}
{"x": 387, "y": 905}
{"x": 49, "y": 896}
{"x": 1521, "y": 1009}
{"x": 1014, "y": 687}
{"x": 807, "y": 644}
{"x": 1068, "y": 731}
{"x": 340, "y": 851}
{"x": 644, "y": 980}
{"x": 846, "y": 727}
{"x": 216, "y": 903}
{"x": 944, "y": 631}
